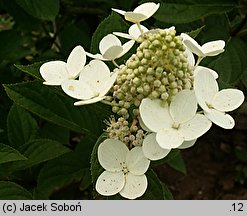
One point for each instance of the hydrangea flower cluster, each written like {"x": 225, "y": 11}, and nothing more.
{"x": 155, "y": 95}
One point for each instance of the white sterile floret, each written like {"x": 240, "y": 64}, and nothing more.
{"x": 111, "y": 48}
{"x": 176, "y": 123}
{"x": 94, "y": 82}
{"x": 200, "y": 69}
{"x": 124, "y": 170}
{"x": 140, "y": 13}
{"x": 153, "y": 151}
{"x": 214, "y": 102}
{"x": 211, "y": 48}
{"x": 55, "y": 72}
{"x": 134, "y": 32}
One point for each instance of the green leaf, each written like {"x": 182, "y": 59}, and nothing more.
{"x": 96, "y": 168}
{"x": 156, "y": 189}
{"x": 11, "y": 43}
{"x": 181, "y": 12}
{"x": 42, "y": 9}
{"x": 38, "y": 151}
{"x": 22, "y": 127}
{"x": 69, "y": 168}
{"x": 42, "y": 101}
{"x": 54, "y": 132}
{"x": 32, "y": 69}
{"x": 13, "y": 191}
{"x": 195, "y": 32}
{"x": 112, "y": 23}
{"x": 177, "y": 163}
{"x": 231, "y": 65}
{"x": 8, "y": 154}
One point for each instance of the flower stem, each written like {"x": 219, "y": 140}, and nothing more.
{"x": 139, "y": 27}
{"x": 115, "y": 63}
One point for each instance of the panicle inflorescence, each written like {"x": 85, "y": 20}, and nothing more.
{"x": 159, "y": 69}
{"x": 120, "y": 130}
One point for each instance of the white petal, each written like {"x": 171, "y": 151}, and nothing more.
{"x": 190, "y": 57}
{"x": 107, "y": 42}
{"x": 134, "y": 31}
{"x": 108, "y": 84}
{"x": 135, "y": 186}
{"x": 220, "y": 118}
{"x": 169, "y": 139}
{"x": 76, "y": 61}
{"x": 119, "y": 11}
{"x": 192, "y": 45}
{"x": 54, "y": 72}
{"x": 183, "y": 107}
{"x": 148, "y": 9}
{"x": 213, "y": 48}
{"x": 205, "y": 87}
{"x": 187, "y": 144}
{"x": 96, "y": 56}
{"x": 95, "y": 74}
{"x": 126, "y": 47}
{"x": 143, "y": 126}
{"x": 112, "y": 155}
{"x": 113, "y": 52}
{"x": 89, "y": 101}
{"x": 154, "y": 116}
{"x": 152, "y": 150}
{"x": 195, "y": 127}
{"x": 110, "y": 183}
{"x": 137, "y": 163}
{"x": 123, "y": 35}
{"x": 200, "y": 69}
{"x": 77, "y": 89}
{"x": 227, "y": 100}
{"x": 135, "y": 17}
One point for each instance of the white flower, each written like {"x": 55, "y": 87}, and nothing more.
{"x": 200, "y": 69}
{"x": 55, "y": 72}
{"x": 140, "y": 13}
{"x": 134, "y": 32}
{"x": 94, "y": 82}
{"x": 211, "y": 48}
{"x": 214, "y": 102}
{"x": 124, "y": 170}
{"x": 111, "y": 48}
{"x": 153, "y": 151}
{"x": 174, "y": 124}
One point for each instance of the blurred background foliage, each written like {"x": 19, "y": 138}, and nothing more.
{"x": 42, "y": 154}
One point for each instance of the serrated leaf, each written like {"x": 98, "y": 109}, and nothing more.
{"x": 42, "y": 9}
{"x": 13, "y": 191}
{"x": 112, "y": 23}
{"x": 22, "y": 127}
{"x": 231, "y": 65}
{"x": 156, "y": 189}
{"x": 32, "y": 69}
{"x": 96, "y": 168}
{"x": 8, "y": 154}
{"x": 42, "y": 101}
{"x": 181, "y": 12}
{"x": 38, "y": 151}
{"x": 64, "y": 170}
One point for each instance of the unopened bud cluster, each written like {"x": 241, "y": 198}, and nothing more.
{"x": 159, "y": 69}
{"x": 120, "y": 130}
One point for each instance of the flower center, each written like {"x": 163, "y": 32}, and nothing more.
{"x": 175, "y": 125}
